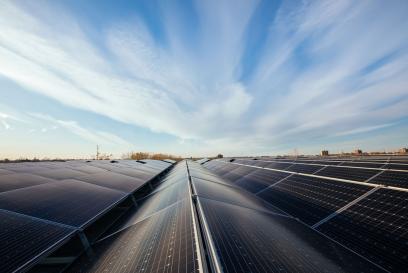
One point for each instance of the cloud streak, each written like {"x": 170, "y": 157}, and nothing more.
{"x": 318, "y": 74}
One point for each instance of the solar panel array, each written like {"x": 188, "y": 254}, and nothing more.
{"x": 159, "y": 237}
{"x": 249, "y": 235}
{"x": 226, "y": 215}
{"x": 42, "y": 204}
{"x": 362, "y": 206}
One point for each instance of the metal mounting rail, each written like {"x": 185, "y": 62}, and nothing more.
{"x": 213, "y": 260}
{"x": 195, "y": 224}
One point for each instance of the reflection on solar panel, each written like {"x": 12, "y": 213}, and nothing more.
{"x": 392, "y": 178}
{"x": 70, "y": 202}
{"x": 162, "y": 243}
{"x": 376, "y": 227}
{"x": 311, "y": 199}
{"x": 260, "y": 179}
{"x": 237, "y": 173}
{"x": 60, "y": 173}
{"x": 4, "y": 172}
{"x": 229, "y": 194}
{"x": 20, "y": 180}
{"x": 161, "y": 199}
{"x": 207, "y": 176}
{"x": 273, "y": 244}
{"x": 115, "y": 180}
{"x": 23, "y": 238}
{"x": 224, "y": 168}
{"x": 355, "y": 174}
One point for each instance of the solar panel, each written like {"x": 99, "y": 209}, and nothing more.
{"x": 82, "y": 167}
{"x": 376, "y": 227}
{"x": 157, "y": 164}
{"x": 354, "y": 174}
{"x": 20, "y": 180}
{"x": 5, "y": 172}
{"x": 251, "y": 241}
{"x": 115, "y": 180}
{"x": 202, "y": 174}
{"x": 70, "y": 202}
{"x": 258, "y": 163}
{"x": 392, "y": 178}
{"x": 302, "y": 168}
{"x": 311, "y": 199}
{"x": 25, "y": 168}
{"x": 162, "y": 243}
{"x": 260, "y": 179}
{"x": 237, "y": 173}
{"x": 229, "y": 194}
{"x": 278, "y": 165}
{"x": 58, "y": 174}
{"x": 132, "y": 169}
{"x": 24, "y": 239}
{"x": 397, "y": 166}
{"x": 224, "y": 168}
{"x": 325, "y": 162}
{"x": 161, "y": 199}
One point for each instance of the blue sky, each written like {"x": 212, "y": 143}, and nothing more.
{"x": 202, "y": 77}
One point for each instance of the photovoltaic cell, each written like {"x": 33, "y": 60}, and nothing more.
{"x": 252, "y": 241}
{"x": 311, "y": 199}
{"x": 69, "y": 202}
{"x": 22, "y": 238}
{"x": 354, "y": 174}
{"x": 162, "y": 243}
{"x": 375, "y": 227}
{"x": 260, "y": 179}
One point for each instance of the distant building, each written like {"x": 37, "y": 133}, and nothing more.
{"x": 358, "y": 152}
{"x": 324, "y": 153}
{"x": 220, "y": 156}
{"x": 403, "y": 151}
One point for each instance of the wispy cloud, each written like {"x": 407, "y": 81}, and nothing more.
{"x": 95, "y": 137}
{"x": 327, "y": 69}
